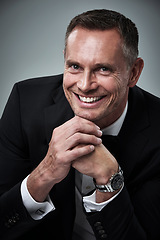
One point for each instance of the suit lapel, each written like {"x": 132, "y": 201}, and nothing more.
{"x": 58, "y": 113}
{"x": 132, "y": 134}
{"x": 137, "y": 114}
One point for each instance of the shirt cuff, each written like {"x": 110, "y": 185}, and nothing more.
{"x": 35, "y": 209}
{"x": 90, "y": 204}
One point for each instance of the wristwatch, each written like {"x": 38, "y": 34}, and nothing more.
{"x": 115, "y": 182}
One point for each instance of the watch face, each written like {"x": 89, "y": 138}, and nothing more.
{"x": 117, "y": 181}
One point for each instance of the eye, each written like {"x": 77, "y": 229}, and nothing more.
{"x": 104, "y": 69}
{"x": 75, "y": 66}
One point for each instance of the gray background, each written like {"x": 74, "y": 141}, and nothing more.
{"x": 32, "y": 37}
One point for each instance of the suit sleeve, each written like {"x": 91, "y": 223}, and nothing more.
{"x": 14, "y": 167}
{"x": 130, "y": 218}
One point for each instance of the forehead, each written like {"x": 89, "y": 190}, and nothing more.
{"x": 80, "y": 32}
{"x": 94, "y": 43}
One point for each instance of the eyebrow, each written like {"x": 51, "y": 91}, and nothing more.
{"x": 70, "y": 62}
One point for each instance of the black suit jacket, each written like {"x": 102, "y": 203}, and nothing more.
{"x": 35, "y": 107}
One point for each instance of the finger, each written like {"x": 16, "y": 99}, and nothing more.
{"x": 84, "y": 126}
{"x": 80, "y": 151}
{"x": 82, "y": 138}
{"x": 68, "y": 135}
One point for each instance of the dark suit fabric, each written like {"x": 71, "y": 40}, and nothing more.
{"x": 37, "y": 106}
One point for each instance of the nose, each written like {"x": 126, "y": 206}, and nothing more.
{"x": 87, "y": 82}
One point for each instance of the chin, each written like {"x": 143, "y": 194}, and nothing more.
{"x": 86, "y": 115}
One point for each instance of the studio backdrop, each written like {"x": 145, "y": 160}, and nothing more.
{"x": 32, "y": 37}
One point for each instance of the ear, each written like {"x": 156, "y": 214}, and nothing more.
{"x": 135, "y": 72}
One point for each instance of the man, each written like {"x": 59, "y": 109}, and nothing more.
{"x": 58, "y": 179}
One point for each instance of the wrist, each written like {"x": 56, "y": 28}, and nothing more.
{"x": 115, "y": 183}
{"x": 104, "y": 178}
{"x": 105, "y": 196}
{"x": 38, "y": 185}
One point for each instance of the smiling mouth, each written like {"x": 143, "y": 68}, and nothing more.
{"x": 89, "y": 99}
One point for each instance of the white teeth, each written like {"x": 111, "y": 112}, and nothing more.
{"x": 89, "y": 100}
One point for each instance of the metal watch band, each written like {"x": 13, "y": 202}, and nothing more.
{"x": 109, "y": 186}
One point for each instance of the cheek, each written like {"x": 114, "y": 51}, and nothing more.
{"x": 116, "y": 88}
{"x": 116, "y": 83}
{"x": 110, "y": 84}
{"x": 68, "y": 81}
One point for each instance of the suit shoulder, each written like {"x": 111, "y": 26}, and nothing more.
{"x": 143, "y": 103}
{"x": 41, "y": 82}
{"x": 152, "y": 104}
{"x": 38, "y": 91}
{"x": 152, "y": 100}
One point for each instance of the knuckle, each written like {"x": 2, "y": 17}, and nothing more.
{"x": 54, "y": 136}
{"x": 93, "y": 138}
{"x": 75, "y": 155}
{"x": 77, "y": 137}
{"x": 81, "y": 151}
{"x": 62, "y": 158}
{"x": 77, "y": 126}
{"x": 59, "y": 156}
{"x": 78, "y": 123}
{"x": 54, "y": 131}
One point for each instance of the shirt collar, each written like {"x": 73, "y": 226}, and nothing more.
{"x": 115, "y": 127}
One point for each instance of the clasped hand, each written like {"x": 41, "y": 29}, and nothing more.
{"x": 76, "y": 143}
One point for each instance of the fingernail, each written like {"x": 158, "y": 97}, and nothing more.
{"x": 99, "y": 133}
{"x": 92, "y": 147}
{"x": 99, "y": 140}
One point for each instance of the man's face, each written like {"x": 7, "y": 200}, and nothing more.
{"x": 95, "y": 76}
